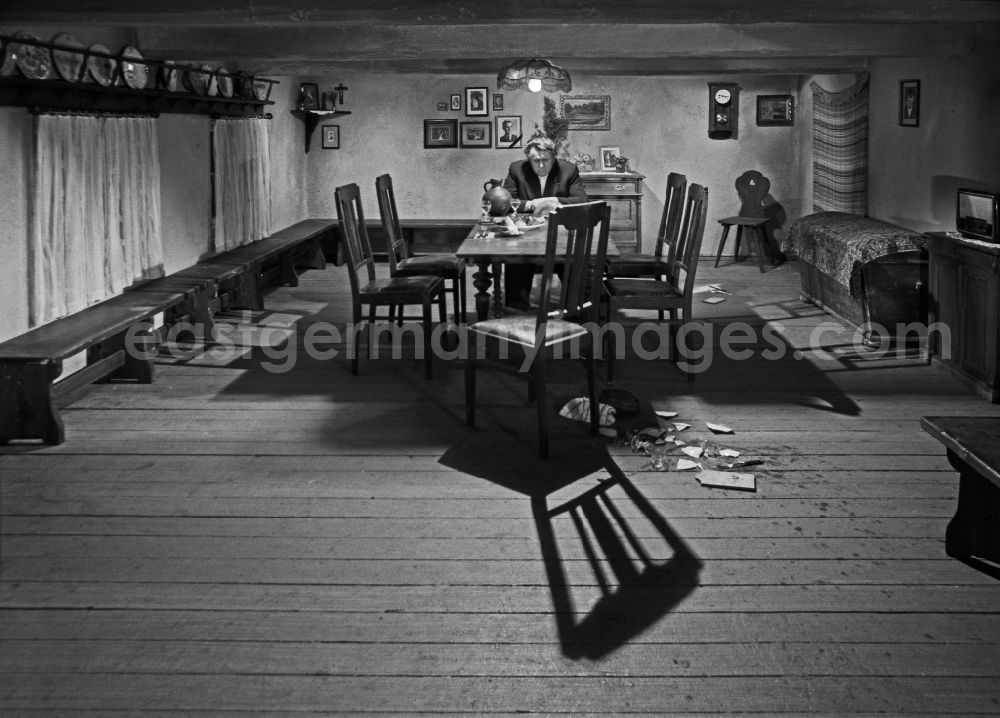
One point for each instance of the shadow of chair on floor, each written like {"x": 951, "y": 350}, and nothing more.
{"x": 635, "y": 569}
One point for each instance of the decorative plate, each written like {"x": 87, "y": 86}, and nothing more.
{"x": 34, "y": 61}
{"x": 68, "y": 63}
{"x": 134, "y": 70}
{"x": 102, "y": 67}
{"x": 212, "y": 86}
{"x": 9, "y": 63}
{"x": 225, "y": 82}
{"x": 196, "y": 81}
{"x": 169, "y": 77}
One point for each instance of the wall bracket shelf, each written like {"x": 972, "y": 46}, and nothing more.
{"x": 311, "y": 118}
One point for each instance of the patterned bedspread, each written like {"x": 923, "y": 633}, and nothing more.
{"x": 839, "y": 244}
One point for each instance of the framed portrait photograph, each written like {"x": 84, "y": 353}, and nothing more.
{"x": 509, "y": 132}
{"x": 475, "y": 102}
{"x": 331, "y": 137}
{"x": 586, "y": 112}
{"x": 308, "y": 96}
{"x": 497, "y": 102}
{"x": 442, "y": 107}
{"x": 440, "y": 133}
{"x": 608, "y": 155}
{"x": 456, "y": 102}
{"x": 909, "y": 103}
{"x": 775, "y": 110}
{"x": 476, "y": 134}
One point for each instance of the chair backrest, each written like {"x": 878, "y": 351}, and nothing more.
{"x": 571, "y": 241}
{"x": 352, "y": 229}
{"x": 752, "y": 187}
{"x": 395, "y": 242}
{"x": 689, "y": 240}
{"x": 670, "y": 221}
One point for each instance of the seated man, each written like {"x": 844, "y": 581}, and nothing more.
{"x": 540, "y": 181}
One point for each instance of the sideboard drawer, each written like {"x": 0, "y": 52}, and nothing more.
{"x": 623, "y": 187}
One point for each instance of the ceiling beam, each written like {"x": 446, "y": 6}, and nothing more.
{"x": 285, "y": 13}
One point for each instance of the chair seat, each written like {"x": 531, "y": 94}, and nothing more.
{"x": 443, "y": 265}
{"x": 401, "y": 286}
{"x": 520, "y": 329}
{"x": 642, "y": 288}
{"x": 638, "y": 263}
{"x": 744, "y": 221}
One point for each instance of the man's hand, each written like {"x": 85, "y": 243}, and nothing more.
{"x": 544, "y": 206}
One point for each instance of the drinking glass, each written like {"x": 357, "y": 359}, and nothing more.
{"x": 486, "y": 204}
{"x": 515, "y": 203}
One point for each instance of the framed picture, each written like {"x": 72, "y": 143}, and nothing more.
{"x": 440, "y": 133}
{"x": 775, "y": 110}
{"x": 476, "y": 134}
{"x": 442, "y": 107}
{"x": 475, "y": 102}
{"x": 331, "y": 137}
{"x": 308, "y": 96}
{"x": 608, "y": 155}
{"x": 586, "y": 112}
{"x": 509, "y": 132}
{"x": 456, "y": 102}
{"x": 497, "y": 102}
{"x": 909, "y": 103}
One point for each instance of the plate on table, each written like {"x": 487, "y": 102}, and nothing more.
{"x": 101, "y": 66}
{"x": 68, "y": 62}
{"x": 134, "y": 71}
{"x": 524, "y": 229}
{"x": 34, "y": 61}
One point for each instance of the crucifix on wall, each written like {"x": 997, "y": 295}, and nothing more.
{"x": 339, "y": 89}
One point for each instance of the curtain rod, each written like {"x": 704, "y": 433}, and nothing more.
{"x": 264, "y": 116}
{"x": 90, "y": 113}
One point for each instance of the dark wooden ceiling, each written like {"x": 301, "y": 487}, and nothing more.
{"x": 638, "y": 37}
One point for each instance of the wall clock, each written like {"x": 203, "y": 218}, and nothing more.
{"x": 723, "y": 110}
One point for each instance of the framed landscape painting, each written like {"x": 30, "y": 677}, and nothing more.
{"x": 586, "y": 112}
{"x": 476, "y": 134}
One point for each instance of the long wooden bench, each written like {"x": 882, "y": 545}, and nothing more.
{"x": 117, "y": 334}
{"x": 973, "y": 444}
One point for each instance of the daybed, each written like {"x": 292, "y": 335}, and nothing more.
{"x": 869, "y": 273}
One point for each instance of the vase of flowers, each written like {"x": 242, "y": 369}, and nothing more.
{"x": 621, "y": 163}
{"x": 584, "y": 162}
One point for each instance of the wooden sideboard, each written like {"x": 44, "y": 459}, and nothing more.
{"x": 964, "y": 277}
{"x": 623, "y": 193}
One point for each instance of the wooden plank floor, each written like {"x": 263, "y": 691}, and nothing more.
{"x": 231, "y": 540}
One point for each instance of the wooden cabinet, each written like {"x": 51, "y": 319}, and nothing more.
{"x": 623, "y": 193}
{"x": 964, "y": 276}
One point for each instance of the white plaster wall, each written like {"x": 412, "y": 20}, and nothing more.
{"x": 915, "y": 171}
{"x": 660, "y": 123}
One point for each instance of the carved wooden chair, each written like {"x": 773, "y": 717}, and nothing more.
{"x": 565, "y": 322}
{"x": 398, "y": 291}
{"x": 404, "y": 264}
{"x": 752, "y": 187}
{"x": 657, "y": 265}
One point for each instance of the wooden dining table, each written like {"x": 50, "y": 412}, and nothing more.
{"x": 492, "y": 251}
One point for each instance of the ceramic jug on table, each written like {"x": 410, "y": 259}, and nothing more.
{"x": 498, "y": 197}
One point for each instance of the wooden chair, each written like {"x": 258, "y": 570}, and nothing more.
{"x": 391, "y": 292}
{"x": 670, "y": 296}
{"x": 657, "y": 265}
{"x": 752, "y": 187}
{"x": 565, "y": 323}
{"x": 403, "y": 264}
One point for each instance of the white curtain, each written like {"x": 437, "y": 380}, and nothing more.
{"x": 95, "y": 211}
{"x": 242, "y": 181}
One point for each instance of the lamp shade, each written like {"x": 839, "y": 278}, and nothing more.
{"x": 517, "y": 75}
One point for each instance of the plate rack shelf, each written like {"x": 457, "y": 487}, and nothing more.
{"x": 249, "y": 96}
{"x": 312, "y": 118}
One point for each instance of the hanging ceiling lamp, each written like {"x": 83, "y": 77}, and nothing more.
{"x": 536, "y": 74}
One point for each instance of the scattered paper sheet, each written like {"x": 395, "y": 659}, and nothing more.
{"x": 666, "y": 414}
{"x": 732, "y": 453}
{"x": 713, "y": 300}
{"x": 727, "y": 480}
{"x": 718, "y": 428}
{"x": 681, "y": 426}
{"x": 718, "y": 288}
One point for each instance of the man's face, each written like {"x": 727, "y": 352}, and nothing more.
{"x": 541, "y": 161}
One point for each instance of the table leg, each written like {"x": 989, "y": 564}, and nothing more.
{"x": 482, "y": 281}
{"x": 498, "y": 310}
